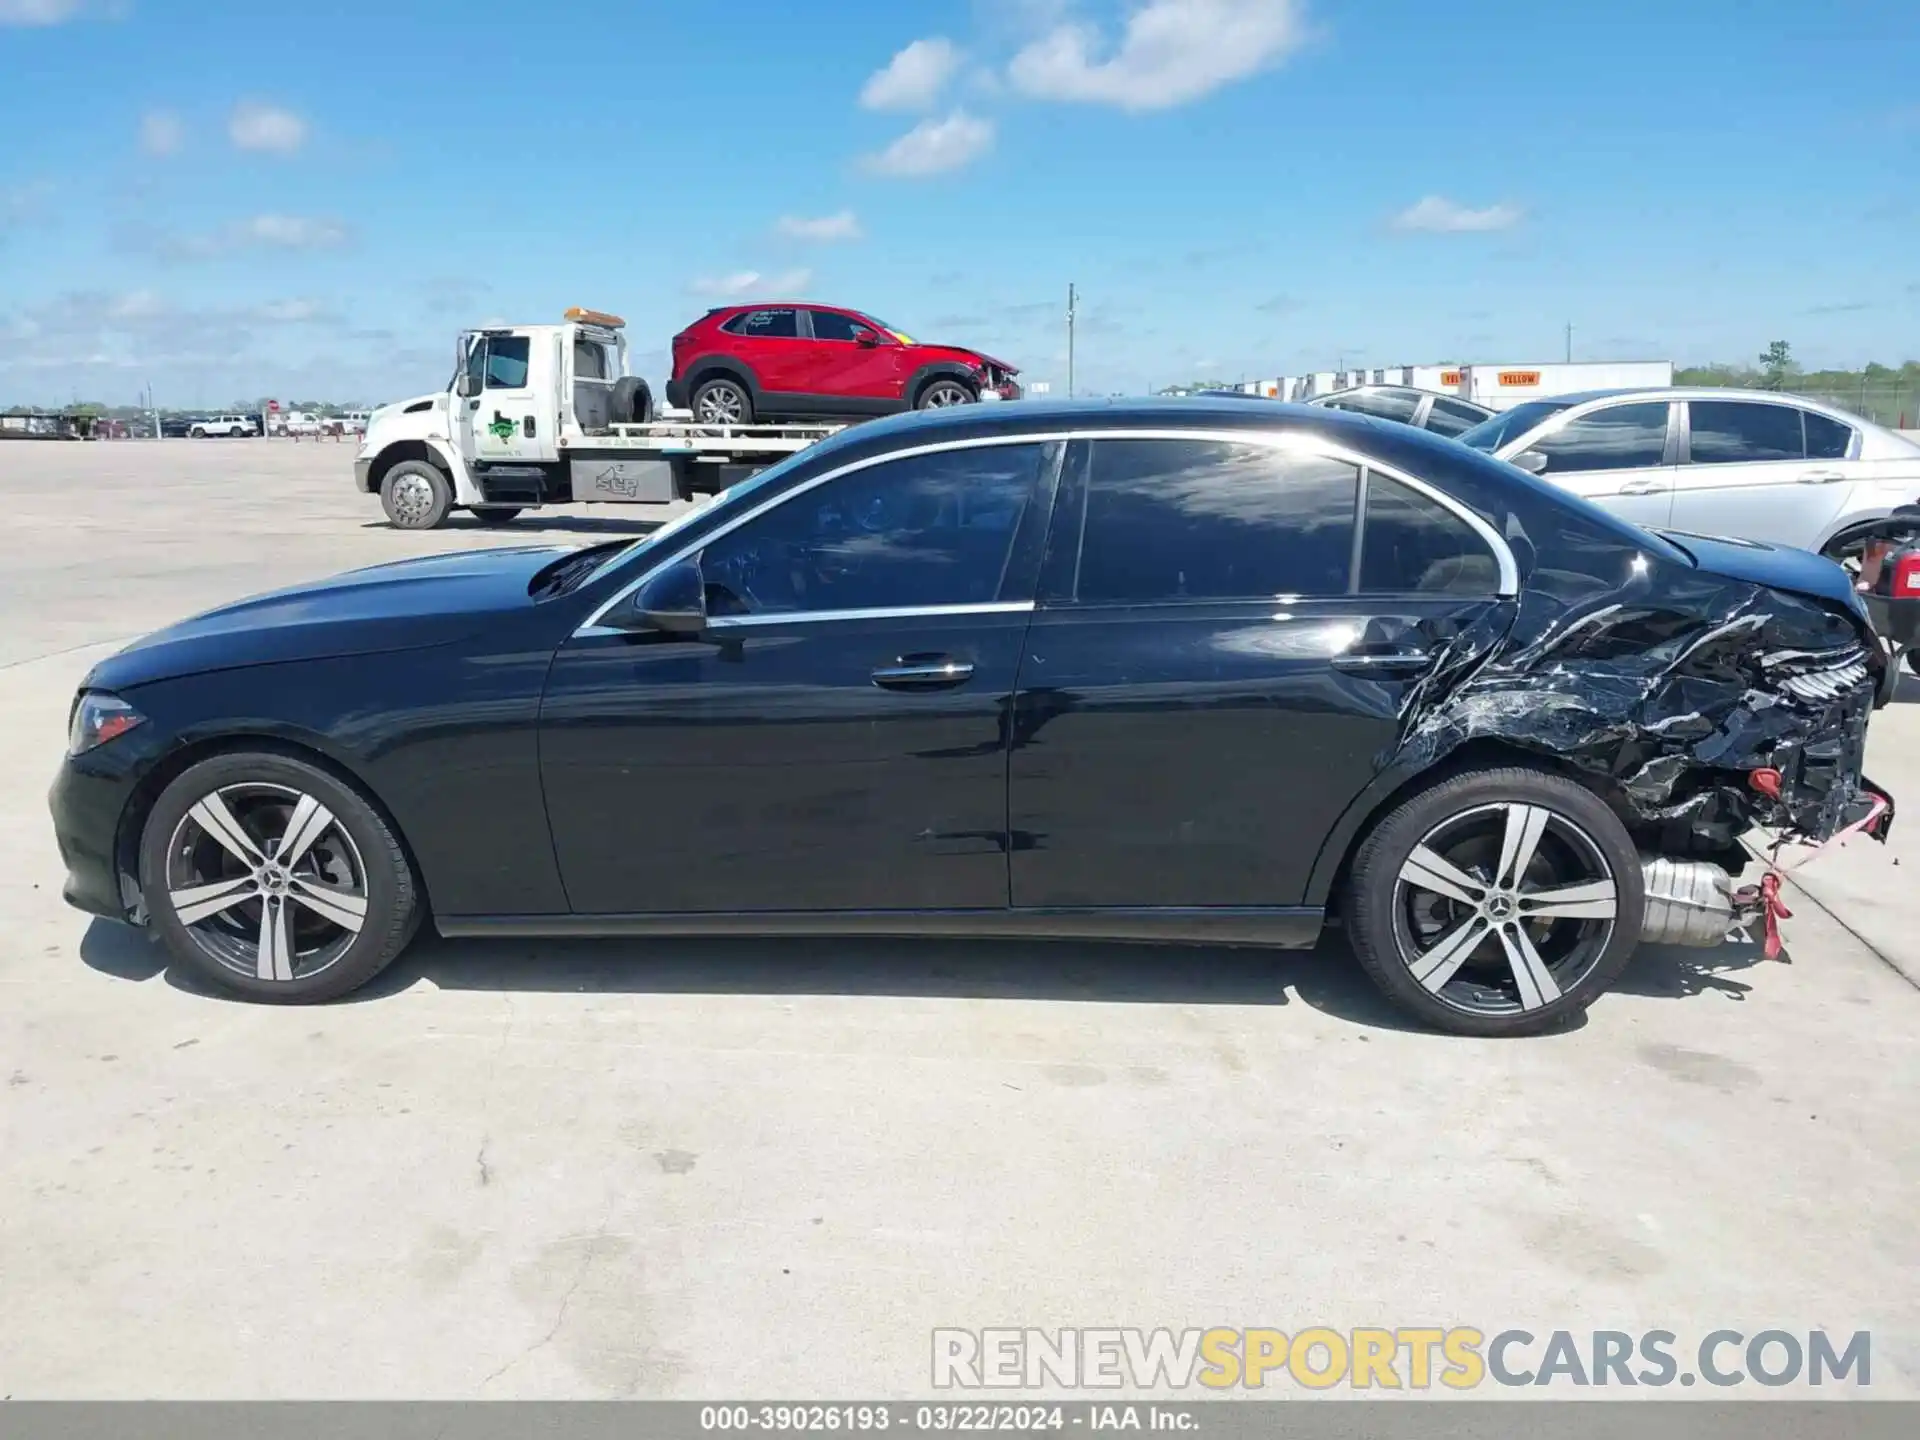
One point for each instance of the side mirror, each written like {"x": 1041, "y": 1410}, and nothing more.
{"x": 674, "y": 601}
{"x": 1531, "y": 461}
{"x": 466, "y": 387}
{"x": 865, "y": 338}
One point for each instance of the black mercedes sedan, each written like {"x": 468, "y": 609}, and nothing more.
{"x": 1175, "y": 670}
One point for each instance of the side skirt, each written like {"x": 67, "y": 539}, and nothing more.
{"x": 1289, "y": 928}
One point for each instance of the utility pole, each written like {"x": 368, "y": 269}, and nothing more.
{"x": 1072, "y": 299}
{"x": 1569, "y": 342}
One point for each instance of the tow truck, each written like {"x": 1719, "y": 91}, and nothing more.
{"x": 541, "y": 415}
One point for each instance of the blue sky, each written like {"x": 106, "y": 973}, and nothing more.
{"x": 235, "y": 200}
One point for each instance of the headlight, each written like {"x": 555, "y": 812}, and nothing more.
{"x": 97, "y": 718}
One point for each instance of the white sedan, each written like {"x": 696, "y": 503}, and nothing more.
{"x": 1749, "y": 464}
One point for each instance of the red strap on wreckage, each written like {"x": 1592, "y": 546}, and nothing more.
{"x": 1766, "y": 895}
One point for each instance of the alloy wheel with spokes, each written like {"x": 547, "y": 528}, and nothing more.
{"x": 272, "y": 877}
{"x": 1496, "y": 902}
{"x": 266, "y": 881}
{"x": 1504, "y": 908}
{"x": 720, "y": 402}
{"x": 943, "y": 393}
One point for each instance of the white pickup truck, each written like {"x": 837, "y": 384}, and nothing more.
{"x": 538, "y": 415}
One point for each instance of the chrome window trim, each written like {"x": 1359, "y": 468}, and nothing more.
{"x": 880, "y": 612}
{"x": 1295, "y": 440}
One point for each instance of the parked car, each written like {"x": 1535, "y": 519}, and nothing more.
{"x": 1147, "y": 670}
{"x": 223, "y": 425}
{"x": 178, "y": 427}
{"x": 347, "y": 422}
{"x": 1744, "y": 463}
{"x": 742, "y": 363}
{"x": 1423, "y": 409}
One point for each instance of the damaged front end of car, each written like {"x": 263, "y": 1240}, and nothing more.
{"x": 1700, "y": 706}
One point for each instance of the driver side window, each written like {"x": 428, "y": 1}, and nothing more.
{"x": 921, "y": 531}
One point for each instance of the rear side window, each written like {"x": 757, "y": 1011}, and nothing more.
{"x": 1450, "y": 417}
{"x": 1413, "y": 545}
{"x": 1620, "y": 437}
{"x": 765, "y": 324}
{"x": 1207, "y": 520}
{"x": 1826, "y": 439}
{"x": 1736, "y": 432}
{"x": 590, "y": 361}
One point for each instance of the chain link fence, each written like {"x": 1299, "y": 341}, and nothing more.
{"x": 1895, "y": 406}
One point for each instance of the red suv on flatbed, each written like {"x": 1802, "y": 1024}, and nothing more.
{"x": 742, "y": 363}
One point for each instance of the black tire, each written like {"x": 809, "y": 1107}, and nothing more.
{"x": 724, "y": 395}
{"x": 1484, "y": 992}
{"x": 631, "y": 402}
{"x": 197, "y": 433}
{"x": 408, "y": 505}
{"x": 496, "y": 514}
{"x": 942, "y": 391}
{"x": 177, "y": 851}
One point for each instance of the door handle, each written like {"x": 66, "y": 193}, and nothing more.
{"x": 924, "y": 672}
{"x": 1643, "y": 487}
{"x": 1381, "y": 662}
{"x": 1820, "y": 477}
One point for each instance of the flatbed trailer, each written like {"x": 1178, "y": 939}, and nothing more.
{"x": 544, "y": 415}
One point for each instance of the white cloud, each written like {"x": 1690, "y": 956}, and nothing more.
{"x": 843, "y": 226}
{"x": 292, "y": 312}
{"x": 1437, "y": 213}
{"x": 161, "y": 132}
{"x": 914, "y": 78}
{"x": 38, "y": 12}
{"x": 934, "y": 146}
{"x": 269, "y": 232}
{"x": 259, "y": 126}
{"x": 1172, "y": 51}
{"x": 291, "y": 232}
{"x": 745, "y": 284}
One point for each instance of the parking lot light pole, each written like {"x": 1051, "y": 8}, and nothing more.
{"x": 1071, "y": 298}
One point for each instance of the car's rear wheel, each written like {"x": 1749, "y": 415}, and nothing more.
{"x": 939, "y": 394}
{"x": 268, "y": 877}
{"x": 1499, "y": 902}
{"x": 416, "y": 496}
{"x": 722, "y": 402}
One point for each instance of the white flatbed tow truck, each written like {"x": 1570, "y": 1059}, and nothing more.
{"x": 539, "y": 415}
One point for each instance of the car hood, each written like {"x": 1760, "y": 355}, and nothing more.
{"x": 1778, "y": 567}
{"x": 406, "y": 605}
{"x": 969, "y": 356}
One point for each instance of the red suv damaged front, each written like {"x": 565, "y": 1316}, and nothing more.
{"x": 792, "y": 360}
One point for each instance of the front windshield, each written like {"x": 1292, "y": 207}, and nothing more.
{"x": 1490, "y": 434}
{"x": 893, "y": 330}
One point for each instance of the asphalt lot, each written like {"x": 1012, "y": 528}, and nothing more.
{"x": 718, "y": 1169}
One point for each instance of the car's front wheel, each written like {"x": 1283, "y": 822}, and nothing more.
{"x": 270, "y": 878}
{"x": 942, "y": 393}
{"x": 1498, "y": 902}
